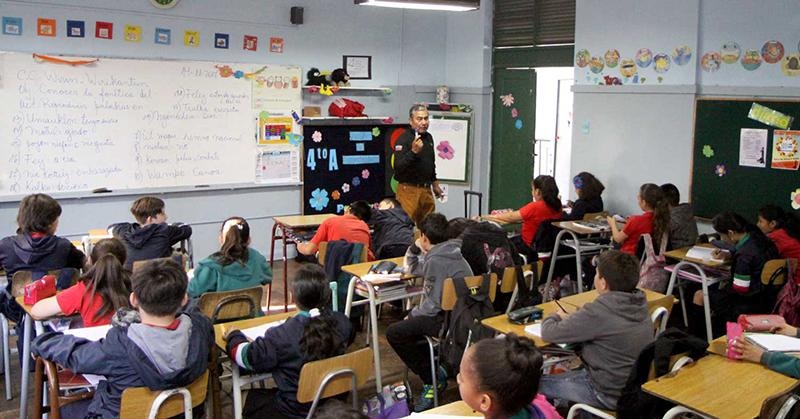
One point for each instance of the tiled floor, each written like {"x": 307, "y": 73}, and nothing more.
{"x": 392, "y": 367}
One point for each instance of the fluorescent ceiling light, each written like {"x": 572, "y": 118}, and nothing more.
{"x": 449, "y": 5}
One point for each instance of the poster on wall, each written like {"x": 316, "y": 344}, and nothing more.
{"x": 785, "y": 153}
{"x": 753, "y": 147}
{"x": 451, "y": 141}
{"x": 277, "y": 165}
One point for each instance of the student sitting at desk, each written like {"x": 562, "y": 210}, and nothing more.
{"x": 393, "y": 229}
{"x": 612, "y": 331}
{"x": 682, "y": 227}
{"x": 167, "y": 349}
{"x": 589, "y": 200}
{"x": 314, "y": 333}
{"x": 104, "y": 288}
{"x": 654, "y": 221}
{"x": 499, "y": 378}
{"x": 742, "y": 293}
{"x": 784, "y": 230}
{"x": 776, "y": 361}
{"x": 545, "y": 206}
{"x": 235, "y": 266}
{"x": 150, "y": 237}
{"x": 350, "y": 227}
{"x": 435, "y": 258}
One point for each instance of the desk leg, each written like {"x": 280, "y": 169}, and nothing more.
{"x": 236, "y": 389}
{"x": 285, "y": 273}
{"x": 578, "y": 269}
{"x": 704, "y": 282}
{"x": 216, "y": 387}
{"x": 26, "y": 362}
{"x": 553, "y": 259}
{"x": 376, "y": 352}
{"x": 706, "y": 306}
{"x": 271, "y": 263}
{"x": 348, "y": 305}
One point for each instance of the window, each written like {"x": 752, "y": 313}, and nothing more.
{"x": 533, "y": 22}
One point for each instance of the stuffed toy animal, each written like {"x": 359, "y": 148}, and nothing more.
{"x": 339, "y": 77}
{"x": 316, "y": 78}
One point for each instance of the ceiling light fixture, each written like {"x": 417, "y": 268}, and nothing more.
{"x": 448, "y": 5}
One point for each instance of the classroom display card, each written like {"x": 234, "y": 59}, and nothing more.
{"x": 278, "y": 165}
{"x": 753, "y": 147}
{"x": 785, "y": 154}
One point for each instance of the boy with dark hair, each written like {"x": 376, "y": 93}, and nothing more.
{"x": 612, "y": 331}
{"x": 434, "y": 257}
{"x": 392, "y": 230}
{"x": 167, "y": 349}
{"x": 150, "y": 237}
{"x": 682, "y": 227}
{"x": 35, "y": 247}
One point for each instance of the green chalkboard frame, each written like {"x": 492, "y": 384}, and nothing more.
{"x": 717, "y": 123}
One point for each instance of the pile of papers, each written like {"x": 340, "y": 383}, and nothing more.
{"x": 385, "y": 290}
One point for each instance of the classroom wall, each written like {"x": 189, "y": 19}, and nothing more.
{"x": 643, "y": 131}
{"x": 412, "y": 52}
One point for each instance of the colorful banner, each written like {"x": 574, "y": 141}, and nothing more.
{"x": 785, "y": 153}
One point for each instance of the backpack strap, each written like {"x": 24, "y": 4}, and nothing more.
{"x": 460, "y": 286}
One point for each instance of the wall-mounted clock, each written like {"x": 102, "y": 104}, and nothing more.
{"x": 164, "y": 4}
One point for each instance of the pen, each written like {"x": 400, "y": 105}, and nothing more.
{"x": 561, "y": 307}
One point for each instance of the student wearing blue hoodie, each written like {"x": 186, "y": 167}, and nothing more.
{"x": 235, "y": 266}
{"x": 35, "y": 247}
{"x": 150, "y": 237}
{"x": 166, "y": 349}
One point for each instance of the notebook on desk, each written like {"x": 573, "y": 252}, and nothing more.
{"x": 258, "y": 331}
{"x": 704, "y": 253}
{"x": 771, "y": 342}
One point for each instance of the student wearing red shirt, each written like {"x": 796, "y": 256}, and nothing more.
{"x": 545, "y": 206}
{"x": 350, "y": 227}
{"x": 784, "y": 230}
{"x": 101, "y": 292}
{"x": 654, "y": 221}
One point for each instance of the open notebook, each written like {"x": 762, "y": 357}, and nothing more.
{"x": 258, "y": 331}
{"x": 68, "y": 378}
{"x": 704, "y": 253}
{"x": 770, "y": 342}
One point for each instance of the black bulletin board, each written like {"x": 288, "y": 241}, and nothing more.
{"x": 742, "y": 189}
{"x": 358, "y": 171}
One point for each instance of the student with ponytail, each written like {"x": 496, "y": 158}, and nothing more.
{"x": 235, "y": 266}
{"x": 784, "y": 230}
{"x": 654, "y": 221}
{"x": 499, "y": 378}
{"x": 315, "y": 333}
{"x": 103, "y": 290}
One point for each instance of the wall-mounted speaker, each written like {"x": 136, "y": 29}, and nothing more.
{"x": 296, "y": 17}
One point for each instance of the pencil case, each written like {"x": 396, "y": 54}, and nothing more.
{"x": 525, "y": 315}
{"x": 39, "y": 290}
{"x": 759, "y": 322}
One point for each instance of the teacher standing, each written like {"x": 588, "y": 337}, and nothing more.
{"x": 415, "y": 167}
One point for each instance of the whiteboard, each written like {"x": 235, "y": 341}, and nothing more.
{"x": 132, "y": 124}
{"x": 451, "y": 142}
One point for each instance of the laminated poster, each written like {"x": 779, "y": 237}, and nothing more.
{"x": 785, "y": 153}
{"x": 753, "y": 147}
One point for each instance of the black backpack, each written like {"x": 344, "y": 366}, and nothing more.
{"x": 464, "y": 323}
{"x": 527, "y": 296}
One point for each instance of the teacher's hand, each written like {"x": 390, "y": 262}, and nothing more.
{"x": 437, "y": 190}
{"x": 417, "y": 145}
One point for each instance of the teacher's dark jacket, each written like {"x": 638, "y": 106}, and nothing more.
{"x": 416, "y": 169}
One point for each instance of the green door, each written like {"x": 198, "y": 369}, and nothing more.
{"x": 512, "y": 138}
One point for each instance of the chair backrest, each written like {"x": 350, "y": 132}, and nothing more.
{"x": 322, "y": 250}
{"x": 510, "y": 277}
{"x": 231, "y": 305}
{"x": 773, "y": 267}
{"x": 22, "y": 278}
{"x": 659, "y": 316}
{"x": 449, "y": 296}
{"x": 138, "y": 401}
{"x": 179, "y": 258}
{"x": 591, "y": 216}
{"x": 329, "y": 377}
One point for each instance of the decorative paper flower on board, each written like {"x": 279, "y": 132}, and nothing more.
{"x": 518, "y": 124}
{"x": 316, "y": 136}
{"x": 238, "y": 74}
{"x": 445, "y": 150}
{"x": 225, "y": 70}
{"x": 319, "y": 199}
{"x": 356, "y": 181}
{"x": 796, "y": 199}
{"x": 336, "y": 195}
{"x": 720, "y": 170}
{"x": 708, "y": 151}
{"x": 365, "y": 173}
{"x": 514, "y": 113}
{"x": 376, "y": 132}
{"x": 295, "y": 139}
{"x": 345, "y": 187}
{"x": 507, "y": 100}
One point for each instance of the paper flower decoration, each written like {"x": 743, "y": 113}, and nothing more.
{"x": 238, "y": 74}
{"x": 365, "y": 173}
{"x": 295, "y": 139}
{"x": 336, "y": 195}
{"x": 356, "y": 181}
{"x": 518, "y": 124}
{"x": 388, "y": 120}
{"x": 445, "y": 150}
{"x": 376, "y": 132}
{"x": 514, "y": 113}
{"x": 345, "y": 187}
{"x": 319, "y": 199}
{"x": 507, "y": 100}
{"x": 796, "y": 199}
{"x": 316, "y": 136}
{"x": 708, "y": 151}
{"x": 720, "y": 170}
{"x": 225, "y": 70}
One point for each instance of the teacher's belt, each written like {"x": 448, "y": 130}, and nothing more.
{"x": 417, "y": 185}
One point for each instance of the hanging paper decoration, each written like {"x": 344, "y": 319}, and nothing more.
{"x": 710, "y": 62}
{"x": 772, "y": 52}
{"x": 518, "y": 124}
{"x": 596, "y": 65}
{"x": 12, "y": 25}
{"x": 514, "y": 113}
{"x": 627, "y": 68}
{"x": 295, "y": 139}
{"x": 319, "y": 199}
{"x": 582, "y": 58}
{"x": 250, "y": 43}
{"x": 730, "y": 52}
{"x": 612, "y": 58}
{"x": 751, "y": 60}
{"x": 796, "y": 199}
{"x": 345, "y": 187}
{"x": 227, "y": 71}
{"x": 791, "y": 65}
{"x": 662, "y": 63}
{"x": 316, "y": 136}
{"x": 276, "y": 45}
{"x": 191, "y": 38}
{"x": 682, "y": 55}
{"x": 644, "y": 57}
{"x": 507, "y": 100}
{"x": 46, "y": 27}
{"x": 708, "y": 151}
{"x": 221, "y": 40}
{"x": 57, "y": 60}
{"x": 356, "y": 181}
{"x": 104, "y": 30}
{"x": 720, "y": 170}
{"x": 76, "y": 29}
{"x": 376, "y": 132}
{"x": 336, "y": 195}
{"x": 163, "y": 36}
{"x": 133, "y": 33}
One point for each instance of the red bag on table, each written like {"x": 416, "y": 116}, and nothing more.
{"x": 39, "y": 290}
{"x": 759, "y": 322}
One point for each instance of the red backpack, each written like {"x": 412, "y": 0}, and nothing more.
{"x": 344, "y": 108}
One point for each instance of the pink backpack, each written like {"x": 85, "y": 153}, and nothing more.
{"x": 651, "y": 272}
{"x": 788, "y": 304}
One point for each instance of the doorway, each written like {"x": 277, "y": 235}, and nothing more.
{"x": 553, "y": 126}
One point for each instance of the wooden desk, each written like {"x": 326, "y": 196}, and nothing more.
{"x": 719, "y": 387}
{"x": 501, "y": 324}
{"x": 221, "y": 329}
{"x": 287, "y": 224}
{"x": 361, "y": 269}
{"x": 680, "y": 254}
{"x": 458, "y": 408}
